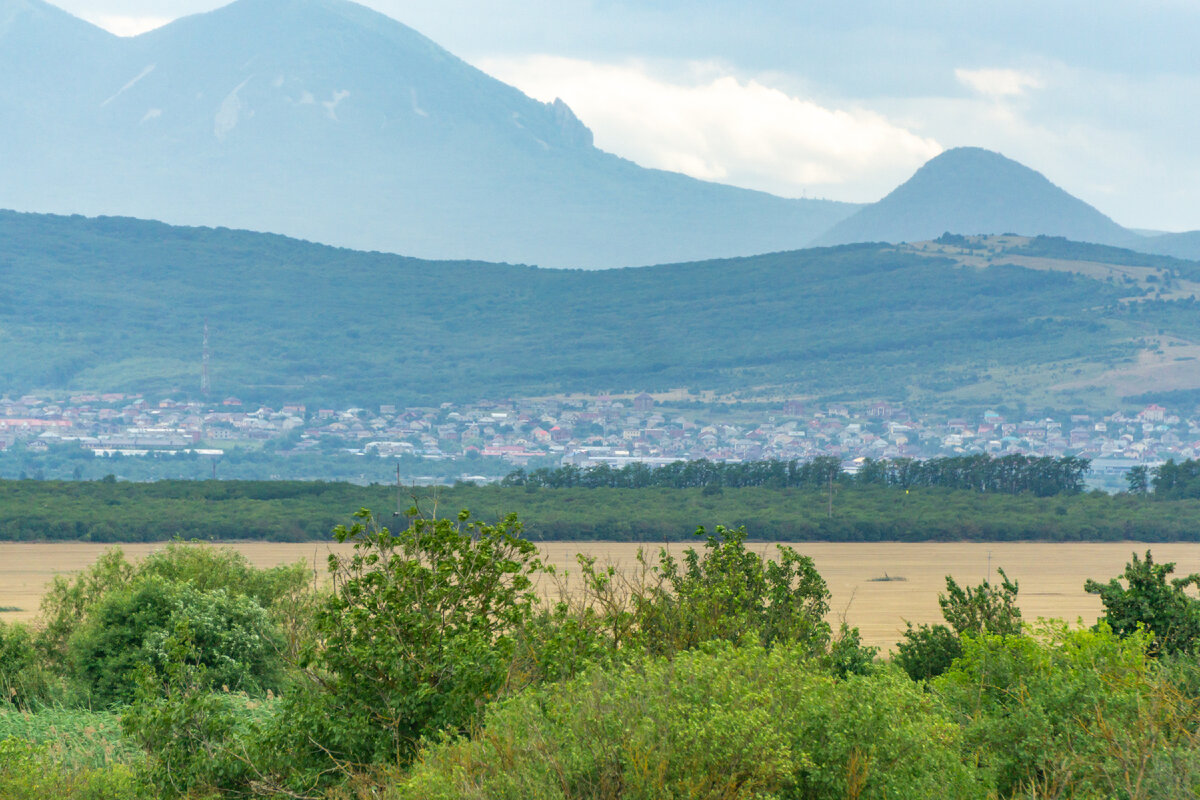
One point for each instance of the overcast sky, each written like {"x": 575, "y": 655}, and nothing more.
{"x": 847, "y": 100}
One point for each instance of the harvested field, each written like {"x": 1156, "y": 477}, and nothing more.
{"x": 1051, "y": 575}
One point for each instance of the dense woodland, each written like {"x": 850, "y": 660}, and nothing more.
{"x": 847, "y": 322}
{"x": 431, "y": 667}
{"x": 1012, "y": 498}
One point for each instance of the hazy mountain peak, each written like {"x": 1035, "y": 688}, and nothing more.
{"x": 971, "y": 190}
{"x": 572, "y": 127}
{"x": 22, "y": 18}
{"x": 326, "y": 120}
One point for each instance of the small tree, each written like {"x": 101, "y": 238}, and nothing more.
{"x": 727, "y": 593}
{"x": 417, "y": 636}
{"x": 1150, "y": 599}
{"x": 1138, "y": 479}
{"x": 983, "y": 609}
{"x": 930, "y": 650}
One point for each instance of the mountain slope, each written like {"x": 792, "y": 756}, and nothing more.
{"x": 324, "y": 120}
{"x": 119, "y": 304}
{"x": 1180, "y": 245}
{"x": 969, "y": 190}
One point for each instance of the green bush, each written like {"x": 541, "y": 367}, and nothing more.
{"x": 719, "y": 722}
{"x": 927, "y": 651}
{"x": 729, "y": 593}
{"x": 418, "y": 636}
{"x": 1075, "y": 714}
{"x": 132, "y": 626}
{"x": 982, "y": 609}
{"x": 23, "y": 678}
{"x": 196, "y": 740}
{"x": 68, "y": 600}
{"x": 1149, "y": 599}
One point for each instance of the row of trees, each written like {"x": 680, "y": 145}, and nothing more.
{"x": 1013, "y": 474}
{"x": 1170, "y": 480}
{"x": 1043, "y": 476}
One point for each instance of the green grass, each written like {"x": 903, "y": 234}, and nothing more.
{"x": 75, "y": 738}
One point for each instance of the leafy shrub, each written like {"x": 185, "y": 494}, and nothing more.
{"x": 561, "y": 641}
{"x": 718, "y": 722}
{"x": 21, "y": 679}
{"x": 983, "y": 609}
{"x": 68, "y": 600}
{"x": 209, "y": 568}
{"x": 729, "y": 593}
{"x": 848, "y": 655}
{"x": 1075, "y": 714}
{"x": 196, "y": 740}
{"x": 1148, "y": 599}
{"x": 417, "y": 637}
{"x": 927, "y": 651}
{"x": 132, "y": 626}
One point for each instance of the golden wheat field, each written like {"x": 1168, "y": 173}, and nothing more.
{"x": 1051, "y": 576}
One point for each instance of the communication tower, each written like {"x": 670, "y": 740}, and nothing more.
{"x": 204, "y": 386}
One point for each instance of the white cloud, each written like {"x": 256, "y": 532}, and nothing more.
{"x": 127, "y": 26}
{"x": 712, "y": 125}
{"x": 998, "y": 82}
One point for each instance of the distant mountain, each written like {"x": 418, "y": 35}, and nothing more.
{"x": 1180, "y": 245}
{"x": 969, "y": 190}
{"x": 324, "y": 120}
{"x": 120, "y": 304}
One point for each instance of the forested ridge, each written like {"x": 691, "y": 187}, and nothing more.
{"x": 294, "y": 321}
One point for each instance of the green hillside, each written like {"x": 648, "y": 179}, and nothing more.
{"x": 119, "y": 304}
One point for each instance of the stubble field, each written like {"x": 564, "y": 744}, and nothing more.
{"x": 1051, "y": 575}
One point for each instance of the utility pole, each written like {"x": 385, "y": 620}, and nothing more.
{"x": 396, "y": 513}
{"x": 831, "y": 494}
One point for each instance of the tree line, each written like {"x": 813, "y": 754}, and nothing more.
{"x": 1170, "y": 480}
{"x": 1043, "y": 476}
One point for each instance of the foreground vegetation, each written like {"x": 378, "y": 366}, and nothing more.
{"x": 431, "y": 669}
{"x": 844, "y": 510}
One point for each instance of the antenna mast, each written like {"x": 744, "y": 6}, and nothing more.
{"x": 204, "y": 385}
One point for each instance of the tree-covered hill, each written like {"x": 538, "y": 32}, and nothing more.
{"x": 120, "y": 304}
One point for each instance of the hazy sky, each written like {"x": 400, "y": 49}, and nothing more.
{"x": 846, "y": 100}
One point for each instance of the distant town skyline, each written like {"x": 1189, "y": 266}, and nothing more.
{"x": 841, "y": 102}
